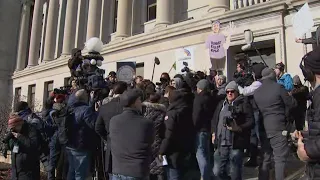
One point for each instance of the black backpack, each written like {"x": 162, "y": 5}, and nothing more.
{"x": 64, "y": 120}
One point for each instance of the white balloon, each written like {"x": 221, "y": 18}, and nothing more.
{"x": 93, "y": 62}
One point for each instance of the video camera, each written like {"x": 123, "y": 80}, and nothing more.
{"x": 246, "y": 76}
{"x": 65, "y": 90}
{"x": 85, "y": 69}
{"x": 227, "y": 121}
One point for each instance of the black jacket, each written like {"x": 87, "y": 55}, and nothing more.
{"x": 131, "y": 138}
{"x": 106, "y": 112}
{"x": 156, "y": 113}
{"x": 180, "y": 133}
{"x": 203, "y": 108}
{"x": 245, "y": 120}
{"x": 301, "y": 94}
{"x": 274, "y": 104}
{"x": 311, "y": 138}
{"x": 26, "y": 164}
{"x": 312, "y": 142}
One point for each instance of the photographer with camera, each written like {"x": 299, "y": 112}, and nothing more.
{"x": 248, "y": 91}
{"x": 164, "y": 82}
{"x": 274, "y": 104}
{"x": 23, "y": 142}
{"x": 231, "y": 125}
{"x": 309, "y": 142}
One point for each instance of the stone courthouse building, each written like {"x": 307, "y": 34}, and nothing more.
{"x": 37, "y": 36}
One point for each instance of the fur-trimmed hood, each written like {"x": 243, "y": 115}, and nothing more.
{"x": 155, "y": 106}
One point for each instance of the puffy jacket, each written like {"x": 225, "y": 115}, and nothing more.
{"x": 26, "y": 163}
{"x": 82, "y": 133}
{"x": 286, "y": 81}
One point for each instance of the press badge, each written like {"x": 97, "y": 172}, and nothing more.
{"x": 15, "y": 149}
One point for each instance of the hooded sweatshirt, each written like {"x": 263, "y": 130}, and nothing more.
{"x": 286, "y": 81}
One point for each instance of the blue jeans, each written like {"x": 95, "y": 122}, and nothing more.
{"x": 79, "y": 164}
{"x": 174, "y": 174}
{"x": 121, "y": 177}
{"x": 203, "y": 154}
{"x": 226, "y": 158}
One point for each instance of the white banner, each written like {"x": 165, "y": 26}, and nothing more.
{"x": 302, "y": 22}
{"x": 184, "y": 55}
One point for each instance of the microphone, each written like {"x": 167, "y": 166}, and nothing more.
{"x": 246, "y": 47}
{"x": 156, "y": 61}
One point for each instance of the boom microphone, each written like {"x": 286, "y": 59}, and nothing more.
{"x": 246, "y": 47}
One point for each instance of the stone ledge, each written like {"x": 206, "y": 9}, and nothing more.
{"x": 245, "y": 14}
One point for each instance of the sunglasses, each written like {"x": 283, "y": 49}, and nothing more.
{"x": 231, "y": 91}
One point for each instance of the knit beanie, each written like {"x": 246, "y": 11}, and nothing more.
{"x": 14, "y": 120}
{"x": 203, "y": 84}
{"x": 232, "y": 85}
{"x": 268, "y": 73}
{"x": 312, "y": 60}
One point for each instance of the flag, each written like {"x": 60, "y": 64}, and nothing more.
{"x": 174, "y": 65}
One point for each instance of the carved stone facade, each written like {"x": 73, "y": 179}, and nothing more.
{"x": 182, "y": 25}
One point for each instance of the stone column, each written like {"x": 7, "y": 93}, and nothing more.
{"x": 23, "y": 37}
{"x": 124, "y": 18}
{"x": 219, "y": 5}
{"x": 35, "y": 38}
{"x": 51, "y": 30}
{"x": 70, "y": 27}
{"x": 164, "y": 12}
{"x": 94, "y": 18}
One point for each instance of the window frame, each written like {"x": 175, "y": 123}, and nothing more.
{"x": 32, "y": 96}
{"x": 151, "y": 5}
{"x": 47, "y": 91}
{"x": 17, "y": 94}
{"x": 115, "y": 15}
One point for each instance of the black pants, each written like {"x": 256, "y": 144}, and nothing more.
{"x": 313, "y": 171}
{"x": 157, "y": 177}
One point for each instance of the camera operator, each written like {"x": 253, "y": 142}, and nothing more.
{"x": 248, "y": 91}
{"x": 274, "y": 104}
{"x": 243, "y": 75}
{"x": 231, "y": 125}
{"x": 24, "y": 145}
{"x": 309, "y": 143}
{"x": 164, "y": 82}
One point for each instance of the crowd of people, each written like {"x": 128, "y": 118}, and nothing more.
{"x": 142, "y": 130}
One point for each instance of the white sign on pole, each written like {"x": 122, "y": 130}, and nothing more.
{"x": 184, "y": 55}
{"x": 302, "y": 22}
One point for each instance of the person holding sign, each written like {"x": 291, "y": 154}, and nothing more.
{"x": 312, "y": 40}
{"x": 302, "y": 23}
{"x": 217, "y": 44}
